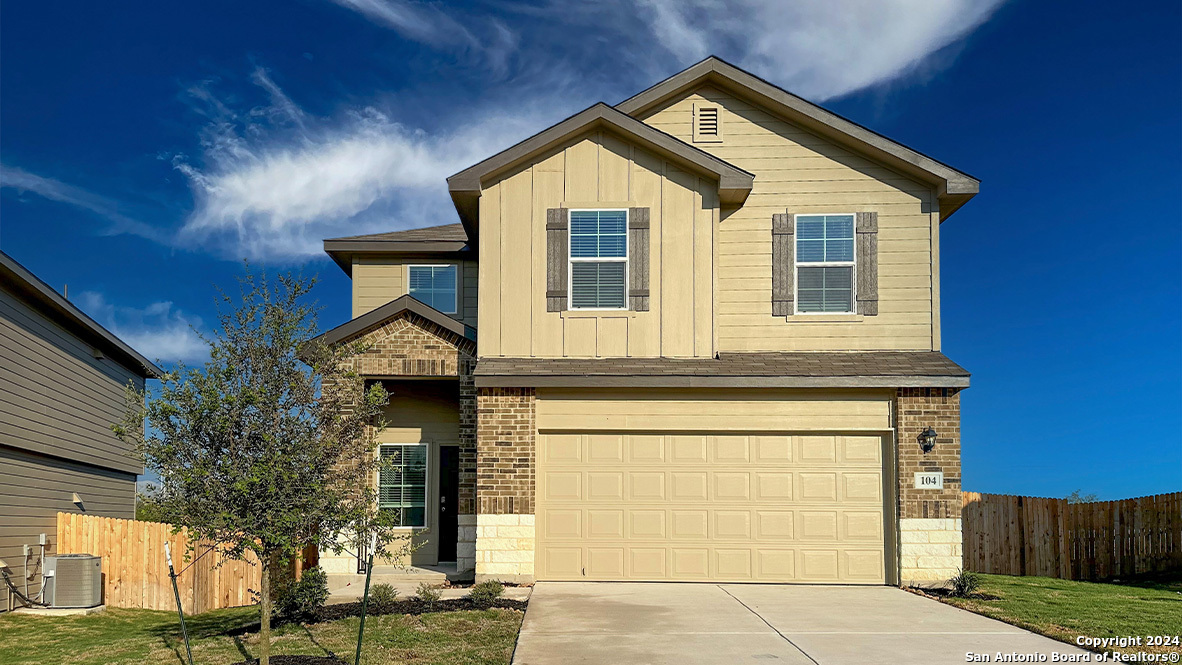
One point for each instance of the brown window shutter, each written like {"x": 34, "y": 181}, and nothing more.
{"x": 783, "y": 264}
{"x": 867, "y": 262}
{"x": 638, "y": 252}
{"x": 557, "y": 256}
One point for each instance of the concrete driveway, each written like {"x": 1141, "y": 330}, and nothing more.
{"x": 618, "y": 623}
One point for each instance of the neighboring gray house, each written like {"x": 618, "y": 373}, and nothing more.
{"x": 61, "y": 387}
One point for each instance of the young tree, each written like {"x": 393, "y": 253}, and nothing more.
{"x": 270, "y": 446}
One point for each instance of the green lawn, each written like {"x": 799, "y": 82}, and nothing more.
{"x": 1063, "y": 609}
{"x": 119, "y": 636}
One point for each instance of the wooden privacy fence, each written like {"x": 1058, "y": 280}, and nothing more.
{"x": 1025, "y": 535}
{"x": 135, "y": 571}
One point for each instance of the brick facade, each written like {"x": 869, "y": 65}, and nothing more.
{"x": 917, "y": 409}
{"x": 506, "y": 430}
{"x": 505, "y": 433}
{"x": 930, "y": 541}
{"x": 408, "y": 345}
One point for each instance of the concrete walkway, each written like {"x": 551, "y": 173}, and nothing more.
{"x": 593, "y": 623}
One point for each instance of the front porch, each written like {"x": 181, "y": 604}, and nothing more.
{"x": 424, "y": 359}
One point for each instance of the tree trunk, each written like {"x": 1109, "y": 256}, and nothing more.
{"x": 265, "y": 611}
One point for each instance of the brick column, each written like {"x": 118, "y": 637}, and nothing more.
{"x": 466, "y": 541}
{"x": 929, "y": 520}
{"x": 505, "y": 449}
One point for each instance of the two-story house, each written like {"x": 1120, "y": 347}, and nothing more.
{"x": 693, "y": 336}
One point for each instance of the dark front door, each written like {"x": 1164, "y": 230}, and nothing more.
{"x": 449, "y": 501}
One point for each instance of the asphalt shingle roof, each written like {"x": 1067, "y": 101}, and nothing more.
{"x": 444, "y": 233}
{"x": 884, "y": 367}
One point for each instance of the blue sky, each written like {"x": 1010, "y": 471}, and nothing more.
{"x": 147, "y": 148}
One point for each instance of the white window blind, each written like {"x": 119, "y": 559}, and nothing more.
{"x": 598, "y": 259}
{"x": 825, "y": 263}
{"x": 402, "y": 483}
{"x": 434, "y": 286}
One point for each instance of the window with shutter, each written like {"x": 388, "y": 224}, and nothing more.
{"x": 825, "y": 264}
{"x": 598, "y": 259}
{"x": 402, "y": 483}
{"x": 557, "y": 259}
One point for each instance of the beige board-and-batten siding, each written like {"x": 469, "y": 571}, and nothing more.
{"x": 597, "y": 170}
{"x": 728, "y": 485}
{"x": 799, "y": 172}
{"x": 378, "y": 279}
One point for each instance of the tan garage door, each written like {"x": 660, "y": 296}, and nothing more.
{"x": 717, "y": 507}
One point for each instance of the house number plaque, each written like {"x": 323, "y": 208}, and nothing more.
{"x": 929, "y": 480}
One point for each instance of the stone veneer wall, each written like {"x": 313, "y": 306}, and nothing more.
{"x": 505, "y": 445}
{"x": 930, "y": 542}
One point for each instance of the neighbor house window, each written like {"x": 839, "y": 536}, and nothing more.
{"x": 434, "y": 286}
{"x": 402, "y": 483}
{"x": 598, "y": 259}
{"x": 825, "y": 263}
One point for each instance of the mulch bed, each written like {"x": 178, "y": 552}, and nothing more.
{"x": 413, "y": 606}
{"x": 296, "y": 660}
{"x": 939, "y": 593}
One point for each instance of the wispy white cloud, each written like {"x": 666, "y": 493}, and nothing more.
{"x": 159, "y": 331}
{"x": 275, "y": 191}
{"x": 55, "y": 190}
{"x": 818, "y": 50}
{"x": 491, "y": 45}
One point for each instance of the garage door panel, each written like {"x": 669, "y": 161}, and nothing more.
{"x": 711, "y": 506}
{"x": 772, "y": 449}
{"x": 605, "y": 562}
{"x": 731, "y": 450}
{"x": 646, "y": 486}
{"x": 817, "y": 486}
{"x": 732, "y": 486}
{"x": 646, "y": 449}
{"x": 605, "y": 486}
{"x": 862, "y": 487}
{"x": 732, "y": 564}
{"x": 861, "y": 450}
{"x": 732, "y": 525}
{"x": 647, "y": 525}
{"x": 605, "y": 448}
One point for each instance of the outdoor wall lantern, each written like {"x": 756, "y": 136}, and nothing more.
{"x": 927, "y": 440}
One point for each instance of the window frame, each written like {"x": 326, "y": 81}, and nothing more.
{"x": 798, "y": 264}
{"x": 571, "y": 260}
{"x": 455, "y": 306}
{"x": 427, "y": 514}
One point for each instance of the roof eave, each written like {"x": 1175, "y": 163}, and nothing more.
{"x": 342, "y": 251}
{"x": 66, "y": 312}
{"x": 376, "y": 316}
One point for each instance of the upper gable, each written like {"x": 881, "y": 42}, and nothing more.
{"x": 598, "y": 169}
{"x": 797, "y": 171}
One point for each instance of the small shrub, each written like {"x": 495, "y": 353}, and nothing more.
{"x": 383, "y": 597}
{"x": 429, "y": 594}
{"x": 964, "y": 584}
{"x": 486, "y": 593}
{"x": 300, "y": 601}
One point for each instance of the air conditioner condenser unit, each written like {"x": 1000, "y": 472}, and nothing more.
{"x": 73, "y": 580}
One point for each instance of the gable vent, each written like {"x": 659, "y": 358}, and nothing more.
{"x": 707, "y": 123}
